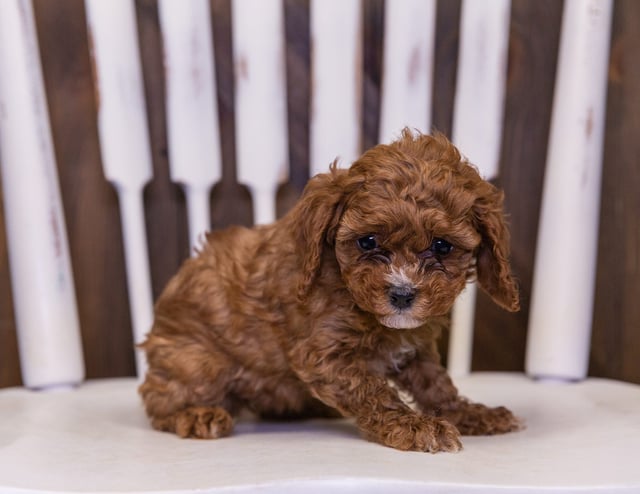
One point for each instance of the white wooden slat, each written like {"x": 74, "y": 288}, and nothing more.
{"x": 481, "y": 80}
{"x": 192, "y": 109}
{"x": 260, "y": 106}
{"x": 46, "y": 314}
{"x": 336, "y": 72}
{"x": 461, "y": 334}
{"x": 477, "y": 129}
{"x": 124, "y": 143}
{"x": 407, "y": 80}
{"x": 563, "y": 286}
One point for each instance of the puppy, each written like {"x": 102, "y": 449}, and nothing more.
{"x": 334, "y": 308}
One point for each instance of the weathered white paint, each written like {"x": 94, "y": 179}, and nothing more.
{"x": 262, "y": 152}
{"x": 477, "y": 128}
{"x": 44, "y": 299}
{"x": 124, "y": 142}
{"x": 565, "y": 264}
{"x": 336, "y": 74}
{"x": 407, "y": 79}
{"x": 192, "y": 108}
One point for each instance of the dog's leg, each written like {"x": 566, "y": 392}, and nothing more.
{"x": 434, "y": 393}
{"x": 380, "y": 414}
{"x": 177, "y": 407}
{"x": 186, "y": 389}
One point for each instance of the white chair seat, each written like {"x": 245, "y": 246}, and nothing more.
{"x": 580, "y": 437}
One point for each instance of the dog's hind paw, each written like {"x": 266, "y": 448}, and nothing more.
{"x": 197, "y": 422}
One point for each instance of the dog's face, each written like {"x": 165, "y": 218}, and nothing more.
{"x": 409, "y": 224}
{"x": 400, "y": 257}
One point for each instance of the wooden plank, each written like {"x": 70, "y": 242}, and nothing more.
{"x": 560, "y": 320}
{"x": 9, "y": 361}
{"x": 42, "y": 283}
{"x": 231, "y": 202}
{"x": 192, "y": 110}
{"x": 165, "y": 204}
{"x": 500, "y": 336}
{"x": 126, "y": 157}
{"x": 615, "y": 338}
{"x": 261, "y": 111}
{"x": 298, "y": 53}
{"x": 336, "y": 65}
{"x": 407, "y": 83}
{"x": 445, "y": 63}
{"x": 477, "y": 130}
{"x": 90, "y": 202}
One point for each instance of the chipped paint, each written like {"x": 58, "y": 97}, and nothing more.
{"x": 415, "y": 65}
{"x": 589, "y": 123}
{"x": 242, "y": 68}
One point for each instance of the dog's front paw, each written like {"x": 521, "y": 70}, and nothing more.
{"x": 474, "y": 419}
{"x": 197, "y": 422}
{"x": 417, "y": 433}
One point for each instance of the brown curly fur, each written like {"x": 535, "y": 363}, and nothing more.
{"x": 294, "y": 319}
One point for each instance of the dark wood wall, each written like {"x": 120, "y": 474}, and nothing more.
{"x": 92, "y": 214}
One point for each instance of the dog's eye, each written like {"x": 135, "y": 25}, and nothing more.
{"x": 368, "y": 242}
{"x": 440, "y": 247}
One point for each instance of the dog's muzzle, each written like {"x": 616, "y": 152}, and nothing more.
{"x": 401, "y": 297}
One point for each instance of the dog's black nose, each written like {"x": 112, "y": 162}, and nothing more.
{"x": 401, "y": 298}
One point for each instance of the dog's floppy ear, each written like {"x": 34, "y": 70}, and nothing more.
{"x": 316, "y": 217}
{"x": 493, "y": 268}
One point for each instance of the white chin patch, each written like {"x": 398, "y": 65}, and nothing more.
{"x": 400, "y": 321}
